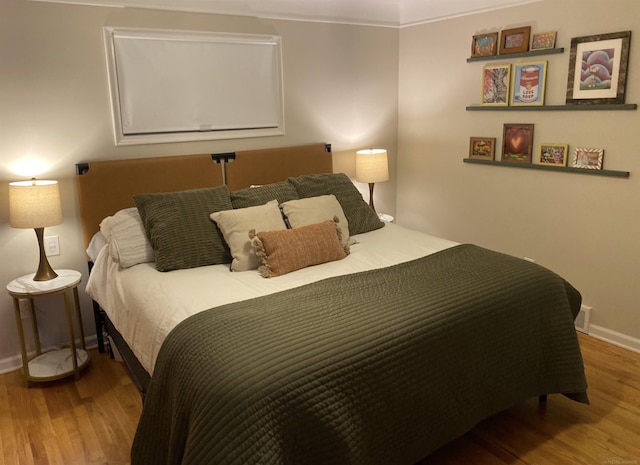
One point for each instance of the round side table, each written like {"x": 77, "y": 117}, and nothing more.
{"x": 54, "y": 364}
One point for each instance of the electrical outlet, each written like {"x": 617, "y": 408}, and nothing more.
{"x": 582, "y": 320}
{"x": 51, "y": 245}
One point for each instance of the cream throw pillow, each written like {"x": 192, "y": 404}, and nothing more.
{"x": 127, "y": 239}
{"x": 315, "y": 210}
{"x": 235, "y": 226}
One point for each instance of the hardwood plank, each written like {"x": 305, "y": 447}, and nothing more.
{"x": 92, "y": 420}
{"x": 563, "y": 431}
{"x": 87, "y": 421}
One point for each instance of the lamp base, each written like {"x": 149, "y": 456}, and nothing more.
{"x": 45, "y": 272}
{"x": 371, "y": 196}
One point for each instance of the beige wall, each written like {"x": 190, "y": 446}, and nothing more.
{"x": 585, "y": 228}
{"x": 340, "y": 87}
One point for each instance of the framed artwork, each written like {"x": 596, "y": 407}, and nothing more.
{"x": 587, "y": 158}
{"x": 515, "y": 40}
{"x": 483, "y": 148}
{"x": 484, "y": 45}
{"x": 517, "y": 143}
{"x": 598, "y": 68}
{"x": 528, "y": 85}
{"x": 553, "y": 154}
{"x": 495, "y": 85}
{"x": 543, "y": 40}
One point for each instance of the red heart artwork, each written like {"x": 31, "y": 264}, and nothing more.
{"x": 516, "y": 141}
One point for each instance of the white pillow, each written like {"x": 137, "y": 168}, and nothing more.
{"x": 314, "y": 210}
{"x": 127, "y": 239}
{"x": 236, "y": 224}
{"x": 98, "y": 241}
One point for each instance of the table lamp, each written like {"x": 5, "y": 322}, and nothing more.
{"x": 371, "y": 167}
{"x": 36, "y": 204}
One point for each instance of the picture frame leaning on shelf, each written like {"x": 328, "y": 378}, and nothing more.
{"x": 484, "y": 45}
{"x": 598, "y": 69}
{"x": 517, "y": 143}
{"x": 496, "y": 80}
{"x": 482, "y": 148}
{"x": 529, "y": 83}
{"x": 515, "y": 40}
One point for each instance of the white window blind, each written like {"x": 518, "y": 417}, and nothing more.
{"x": 171, "y": 86}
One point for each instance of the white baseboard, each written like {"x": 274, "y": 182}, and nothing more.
{"x": 10, "y": 364}
{"x": 615, "y": 338}
{"x": 15, "y": 362}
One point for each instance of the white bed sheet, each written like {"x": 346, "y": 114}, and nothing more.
{"x": 145, "y": 304}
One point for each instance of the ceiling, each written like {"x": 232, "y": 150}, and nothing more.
{"x": 389, "y": 13}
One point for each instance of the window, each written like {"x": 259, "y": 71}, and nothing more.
{"x": 171, "y": 86}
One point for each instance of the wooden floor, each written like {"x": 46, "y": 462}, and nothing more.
{"x": 560, "y": 431}
{"x": 67, "y": 422}
{"x": 92, "y": 420}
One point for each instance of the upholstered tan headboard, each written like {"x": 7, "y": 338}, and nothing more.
{"x": 252, "y": 167}
{"x": 104, "y": 187}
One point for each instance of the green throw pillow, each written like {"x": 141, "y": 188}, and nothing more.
{"x": 281, "y": 191}
{"x": 359, "y": 214}
{"x": 179, "y": 228}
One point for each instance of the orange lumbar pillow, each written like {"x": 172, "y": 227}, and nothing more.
{"x": 281, "y": 252}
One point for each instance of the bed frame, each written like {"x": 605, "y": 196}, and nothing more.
{"x": 105, "y": 187}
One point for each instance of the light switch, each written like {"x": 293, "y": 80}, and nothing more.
{"x": 51, "y": 245}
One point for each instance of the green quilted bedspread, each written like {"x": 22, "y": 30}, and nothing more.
{"x": 380, "y": 367}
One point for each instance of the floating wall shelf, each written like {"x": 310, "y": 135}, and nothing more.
{"x": 530, "y": 53}
{"x": 564, "y": 169}
{"x": 569, "y": 107}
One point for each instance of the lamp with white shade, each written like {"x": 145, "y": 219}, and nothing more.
{"x": 36, "y": 204}
{"x": 371, "y": 167}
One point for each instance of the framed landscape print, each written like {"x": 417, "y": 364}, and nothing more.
{"x": 515, "y": 40}
{"x": 483, "y": 148}
{"x": 587, "y": 158}
{"x": 517, "y": 143}
{"x": 543, "y": 40}
{"x": 553, "y": 154}
{"x": 598, "y": 68}
{"x": 495, "y": 85}
{"x": 528, "y": 84}
{"x": 484, "y": 45}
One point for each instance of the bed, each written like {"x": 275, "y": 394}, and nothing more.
{"x": 336, "y": 338}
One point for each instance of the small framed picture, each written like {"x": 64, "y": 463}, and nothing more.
{"x": 515, "y": 40}
{"x": 484, "y": 45}
{"x": 598, "y": 68}
{"x": 543, "y": 40}
{"x": 528, "y": 85}
{"x": 517, "y": 143}
{"x": 483, "y": 148}
{"x": 553, "y": 154}
{"x": 495, "y": 85}
{"x": 587, "y": 158}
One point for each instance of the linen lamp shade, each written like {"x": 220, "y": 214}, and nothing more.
{"x": 36, "y": 204}
{"x": 372, "y": 166}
